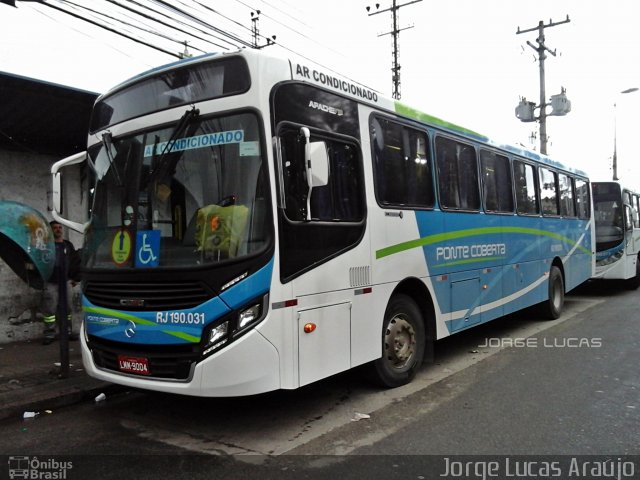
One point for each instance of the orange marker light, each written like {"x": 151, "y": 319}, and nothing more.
{"x": 309, "y": 327}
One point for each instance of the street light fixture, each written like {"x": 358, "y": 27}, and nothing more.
{"x": 615, "y": 133}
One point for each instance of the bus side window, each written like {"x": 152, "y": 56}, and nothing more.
{"x": 527, "y": 202}
{"x": 457, "y": 175}
{"x": 339, "y": 200}
{"x": 337, "y": 209}
{"x": 402, "y": 164}
{"x": 496, "y": 182}
{"x": 549, "y": 192}
{"x": 567, "y": 207}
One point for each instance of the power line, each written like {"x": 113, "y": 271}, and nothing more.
{"x": 152, "y": 32}
{"x": 285, "y": 13}
{"x": 161, "y": 22}
{"x": 100, "y": 16}
{"x": 184, "y": 14}
{"x": 287, "y": 27}
{"x": 105, "y": 27}
{"x": 222, "y": 15}
{"x": 81, "y": 32}
{"x": 156, "y": 11}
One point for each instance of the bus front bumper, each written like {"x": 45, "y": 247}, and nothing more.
{"x": 248, "y": 366}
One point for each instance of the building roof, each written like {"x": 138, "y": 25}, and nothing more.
{"x": 43, "y": 117}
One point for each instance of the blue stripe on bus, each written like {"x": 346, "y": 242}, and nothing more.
{"x": 173, "y": 326}
{"x": 501, "y": 265}
{"x": 251, "y": 287}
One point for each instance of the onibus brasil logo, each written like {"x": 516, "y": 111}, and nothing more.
{"x": 38, "y": 469}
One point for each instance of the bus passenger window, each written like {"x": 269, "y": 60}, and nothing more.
{"x": 457, "y": 175}
{"x": 402, "y": 164}
{"x": 549, "y": 192}
{"x": 567, "y": 208}
{"x": 527, "y": 202}
{"x": 496, "y": 182}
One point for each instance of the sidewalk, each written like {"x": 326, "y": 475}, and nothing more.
{"x": 29, "y": 379}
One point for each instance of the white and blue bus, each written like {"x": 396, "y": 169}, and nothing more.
{"x": 259, "y": 223}
{"x": 617, "y": 232}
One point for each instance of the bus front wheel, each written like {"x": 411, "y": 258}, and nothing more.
{"x": 552, "y": 307}
{"x": 403, "y": 343}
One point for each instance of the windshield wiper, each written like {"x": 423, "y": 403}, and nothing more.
{"x": 107, "y": 142}
{"x": 188, "y": 116}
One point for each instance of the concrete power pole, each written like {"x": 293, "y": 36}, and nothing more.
{"x": 395, "y": 33}
{"x": 542, "y": 50}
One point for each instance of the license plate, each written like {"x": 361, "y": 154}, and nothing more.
{"x": 137, "y": 365}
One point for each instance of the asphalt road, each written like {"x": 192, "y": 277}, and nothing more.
{"x": 518, "y": 386}
{"x": 573, "y": 389}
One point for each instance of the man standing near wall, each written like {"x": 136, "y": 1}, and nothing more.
{"x": 67, "y": 268}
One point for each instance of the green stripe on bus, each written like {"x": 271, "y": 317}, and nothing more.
{"x": 140, "y": 321}
{"x": 426, "y": 118}
{"x": 443, "y": 237}
{"x": 184, "y": 336}
{"x": 122, "y": 315}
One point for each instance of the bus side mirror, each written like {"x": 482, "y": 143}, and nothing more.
{"x": 318, "y": 157}
{"x": 56, "y": 180}
{"x": 57, "y": 192}
{"x": 316, "y": 163}
{"x": 317, "y": 160}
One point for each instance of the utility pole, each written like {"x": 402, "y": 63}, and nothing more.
{"x": 255, "y": 32}
{"x": 186, "y": 53}
{"x": 395, "y": 33}
{"x": 561, "y": 105}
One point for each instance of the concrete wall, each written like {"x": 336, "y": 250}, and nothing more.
{"x": 26, "y": 178}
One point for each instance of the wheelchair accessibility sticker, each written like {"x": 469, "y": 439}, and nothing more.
{"x": 148, "y": 248}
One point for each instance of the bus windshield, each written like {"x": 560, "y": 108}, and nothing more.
{"x": 188, "y": 194}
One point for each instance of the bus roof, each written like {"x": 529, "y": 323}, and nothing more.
{"x": 305, "y": 70}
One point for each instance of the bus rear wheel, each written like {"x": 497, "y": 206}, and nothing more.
{"x": 552, "y": 307}
{"x": 403, "y": 343}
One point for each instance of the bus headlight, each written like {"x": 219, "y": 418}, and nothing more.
{"x": 235, "y": 324}
{"x": 249, "y": 315}
{"x": 218, "y": 336}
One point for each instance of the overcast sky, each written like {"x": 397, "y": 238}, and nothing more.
{"x": 461, "y": 60}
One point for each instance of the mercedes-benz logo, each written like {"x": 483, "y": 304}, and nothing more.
{"x": 130, "y": 331}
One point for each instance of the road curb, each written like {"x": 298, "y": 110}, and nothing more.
{"x": 40, "y": 398}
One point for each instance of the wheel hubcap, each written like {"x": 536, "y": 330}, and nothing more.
{"x": 557, "y": 295}
{"x": 399, "y": 342}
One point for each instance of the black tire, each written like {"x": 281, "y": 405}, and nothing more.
{"x": 634, "y": 282}
{"x": 403, "y": 343}
{"x": 552, "y": 307}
